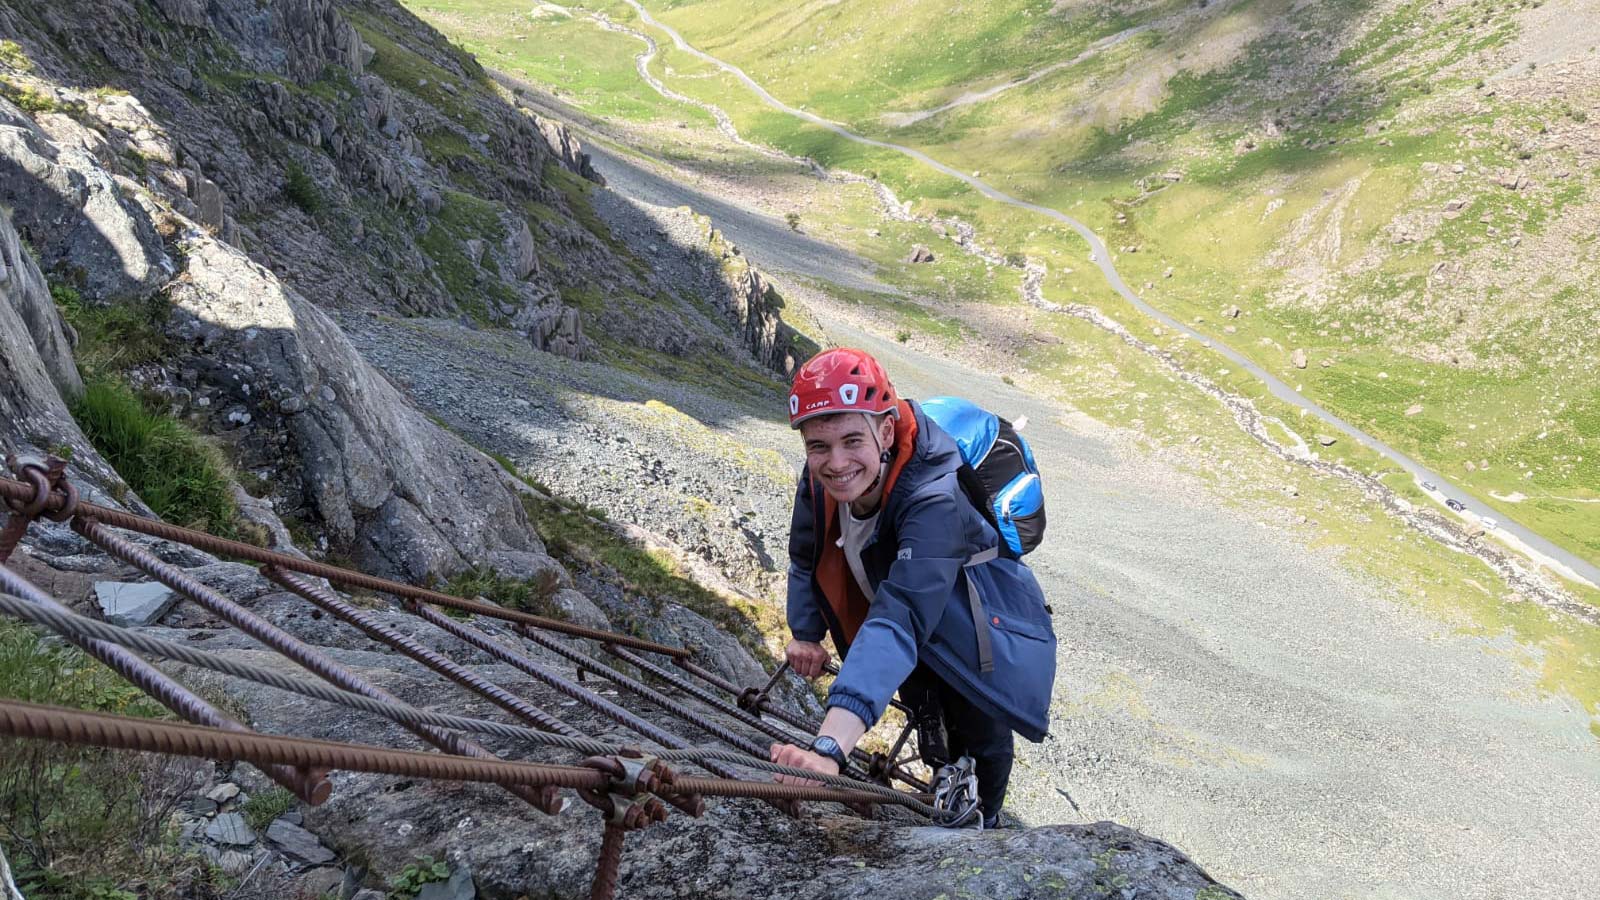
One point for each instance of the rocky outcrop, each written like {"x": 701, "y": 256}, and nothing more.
{"x": 410, "y": 498}
{"x": 38, "y": 375}
{"x": 75, "y": 213}
{"x": 297, "y": 38}
{"x": 567, "y": 149}
{"x": 34, "y": 356}
{"x": 41, "y": 335}
{"x": 756, "y": 309}
{"x": 184, "y": 12}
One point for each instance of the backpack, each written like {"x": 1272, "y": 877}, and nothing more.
{"x": 1000, "y": 476}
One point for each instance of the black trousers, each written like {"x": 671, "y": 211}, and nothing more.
{"x": 949, "y": 727}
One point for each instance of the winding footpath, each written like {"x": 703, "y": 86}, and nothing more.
{"x": 1564, "y": 562}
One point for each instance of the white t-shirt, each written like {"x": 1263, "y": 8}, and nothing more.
{"x": 853, "y": 535}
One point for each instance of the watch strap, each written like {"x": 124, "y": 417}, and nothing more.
{"x": 826, "y": 746}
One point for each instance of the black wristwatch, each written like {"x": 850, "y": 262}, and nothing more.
{"x": 827, "y": 746}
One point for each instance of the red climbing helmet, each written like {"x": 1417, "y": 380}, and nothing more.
{"x": 839, "y": 381}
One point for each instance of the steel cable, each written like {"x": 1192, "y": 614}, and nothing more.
{"x": 71, "y": 726}
{"x": 18, "y": 491}
{"x": 73, "y": 626}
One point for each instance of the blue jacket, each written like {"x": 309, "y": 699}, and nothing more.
{"x": 917, "y": 565}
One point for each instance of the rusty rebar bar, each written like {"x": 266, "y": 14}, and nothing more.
{"x": 642, "y": 690}
{"x": 310, "y": 787}
{"x": 570, "y": 688}
{"x": 116, "y": 518}
{"x": 70, "y": 625}
{"x": 759, "y": 704}
{"x": 303, "y": 654}
{"x": 408, "y": 646}
{"x": 607, "y": 866}
{"x": 705, "y": 696}
{"x": 71, "y": 726}
{"x": 23, "y": 512}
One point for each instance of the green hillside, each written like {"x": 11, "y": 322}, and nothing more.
{"x": 1396, "y": 188}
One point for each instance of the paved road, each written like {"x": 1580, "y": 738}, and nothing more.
{"x": 1290, "y": 727}
{"x": 1567, "y": 563}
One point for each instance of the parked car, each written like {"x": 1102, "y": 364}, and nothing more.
{"x": 1455, "y": 504}
{"x": 1429, "y": 486}
{"x": 1490, "y": 524}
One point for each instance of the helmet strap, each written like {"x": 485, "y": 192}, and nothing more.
{"x": 885, "y": 456}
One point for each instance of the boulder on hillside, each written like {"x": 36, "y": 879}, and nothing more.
{"x": 1298, "y": 358}
{"x": 920, "y": 254}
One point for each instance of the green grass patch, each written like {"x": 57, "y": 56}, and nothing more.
{"x": 28, "y": 97}
{"x": 471, "y": 285}
{"x": 114, "y": 337}
{"x": 83, "y": 823}
{"x": 580, "y": 63}
{"x": 443, "y": 145}
{"x": 529, "y": 595}
{"x": 302, "y": 190}
{"x": 12, "y": 55}
{"x": 265, "y": 806}
{"x": 173, "y": 469}
{"x": 415, "y": 74}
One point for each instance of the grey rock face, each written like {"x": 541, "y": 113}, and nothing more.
{"x": 567, "y": 149}
{"x": 755, "y": 308}
{"x": 37, "y": 373}
{"x": 410, "y": 497}
{"x": 184, "y": 12}
{"x": 133, "y": 605}
{"x": 230, "y": 829}
{"x": 28, "y": 304}
{"x": 75, "y": 214}
{"x": 298, "y": 844}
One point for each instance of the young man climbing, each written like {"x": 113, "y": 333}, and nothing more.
{"x": 890, "y": 556}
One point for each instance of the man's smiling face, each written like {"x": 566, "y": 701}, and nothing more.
{"x": 842, "y": 454}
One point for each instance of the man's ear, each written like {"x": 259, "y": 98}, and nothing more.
{"x": 886, "y": 431}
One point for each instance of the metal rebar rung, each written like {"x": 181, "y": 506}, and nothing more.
{"x": 65, "y": 502}
{"x": 431, "y": 658}
{"x": 290, "y": 646}
{"x": 310, "y": 788}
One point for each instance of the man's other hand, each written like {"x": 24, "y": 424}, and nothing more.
{"x": 806, "y": 657}
{"x": 790, "y": 755}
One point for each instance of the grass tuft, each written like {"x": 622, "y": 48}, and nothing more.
{"x": 181, "y": 476}
{"x": 302, "y": 190}
{"x": 83, "y": 823}
{"x": 531, "y": 595}
{"x": 266, "y": 806}
{"x": 112, "y": 337}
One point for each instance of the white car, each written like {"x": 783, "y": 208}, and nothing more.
{"x": 1490, "y": 524}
